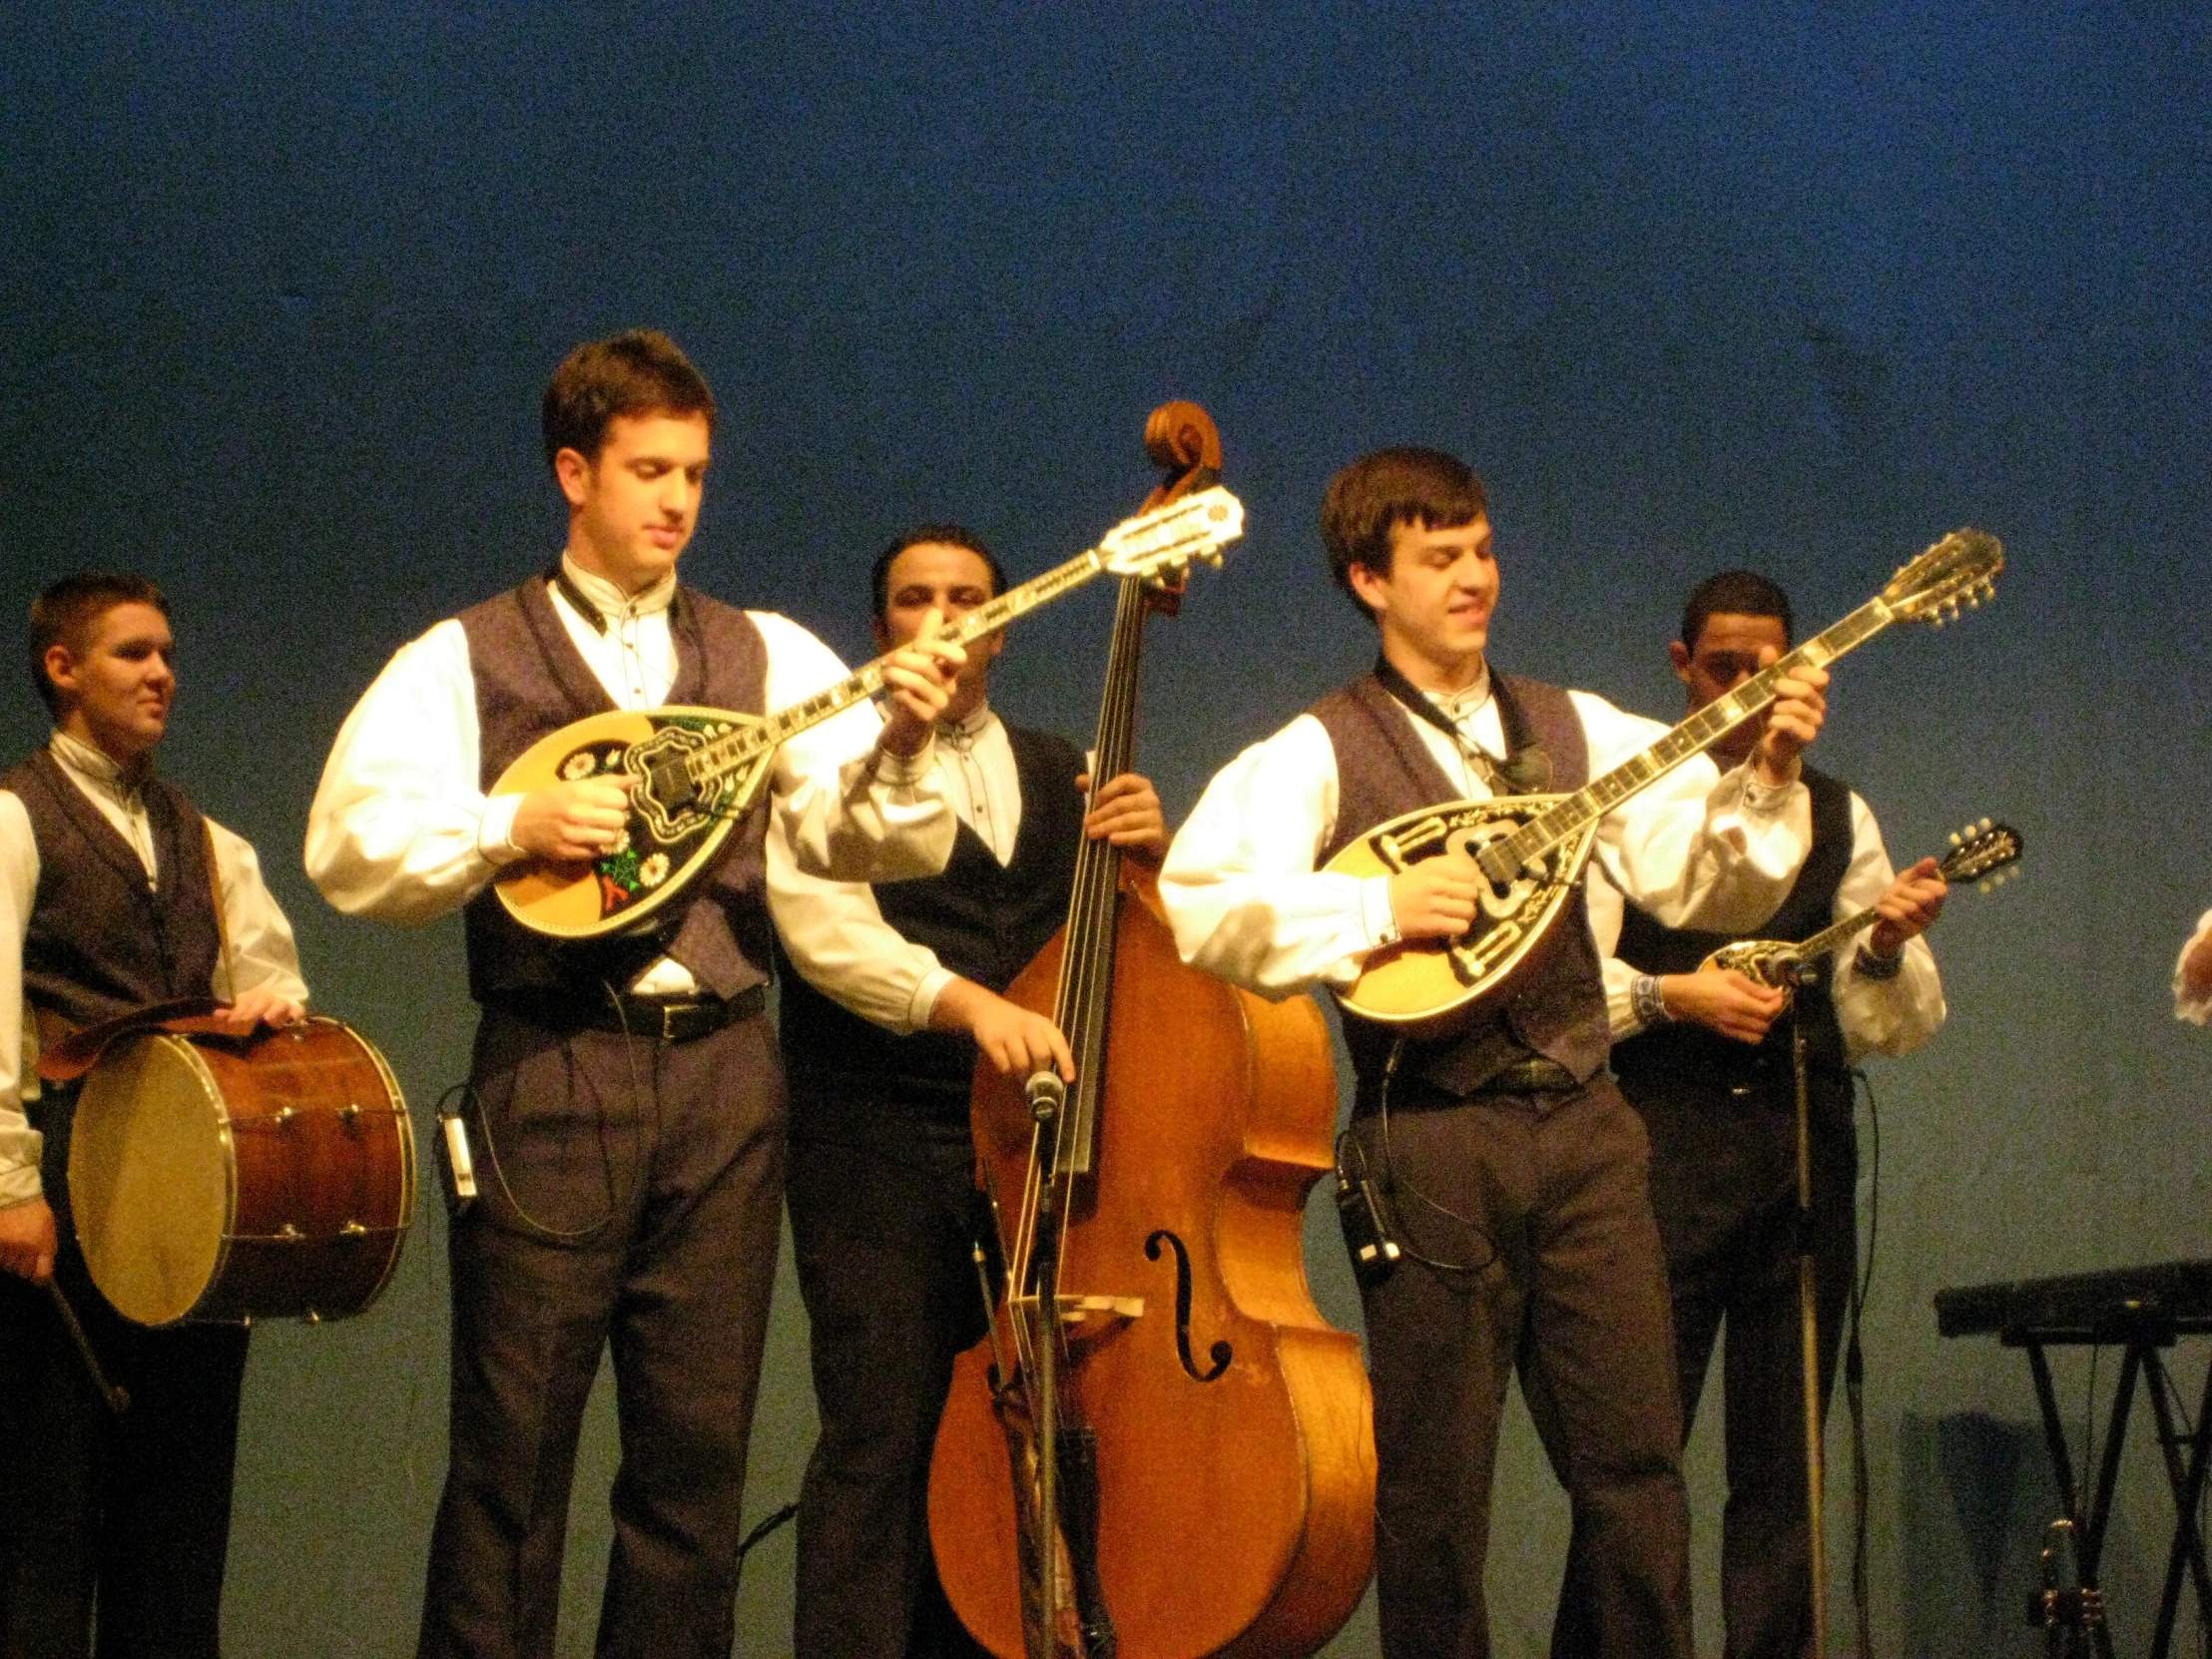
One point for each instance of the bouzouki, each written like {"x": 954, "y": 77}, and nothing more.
{"x": 1530, "y": 849}
{"x": 698, "y": 771}
{"x": 1984, "y": 852}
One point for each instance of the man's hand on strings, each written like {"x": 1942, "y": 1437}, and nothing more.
{"x": 1436, "y": 898}
{"x": 1723, "y": 1000}
{"x": 922, "y": 677}
{"x": 1017, "y": 1041}
{"x": 1126, "y": 811}
{"x": 575, "y": 823}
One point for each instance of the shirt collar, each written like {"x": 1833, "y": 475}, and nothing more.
{"x": 96, "y": 766}
{"x": 1459, "y": 707}
{"x": 611, "y": 602}
{"x": 963, "y": 732}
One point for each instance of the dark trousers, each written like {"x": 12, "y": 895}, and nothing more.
{"x": 885, "y": 1217}
{"x": 628, "y": 1203}
{"x": 1557, "y": 1273}
{"x": 120, "y": 1523}
{"x": 1724, "y": 1183}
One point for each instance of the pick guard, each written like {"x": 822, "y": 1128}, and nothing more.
{"x": 674, "y": 832}
{"x": 1429, "y": 985}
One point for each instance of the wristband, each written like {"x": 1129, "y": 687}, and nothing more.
{"x": 1645, "y": 1000}
{"x": 1869, "y": 966}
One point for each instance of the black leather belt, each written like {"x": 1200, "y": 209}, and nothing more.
{"x": 664, "y": 1019}
{"x": 1538, "y": 1076}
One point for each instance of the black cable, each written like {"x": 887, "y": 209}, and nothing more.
{"x": 530, "y": 1223}
{"x": 754, "y": 1536}
{"x": 1390, "y": 1183}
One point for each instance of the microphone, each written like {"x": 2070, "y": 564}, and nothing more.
{"x": 1527, "y": 769}
{"x": 1799, "y": 975}
{"x": 1046, "y": 1094}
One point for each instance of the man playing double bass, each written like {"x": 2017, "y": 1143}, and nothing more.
{"x": 114, "y": 893}
{"x": 897, "y": 990}
{"x": 1513, "y": 1171}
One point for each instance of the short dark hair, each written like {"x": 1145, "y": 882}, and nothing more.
{"x": 1735, "y": 593}
{"x": 1377, "y": 493}
{"x": 952, "y": 535}
{"x": 68, "y": 611}
{"x": 638, "y": 373}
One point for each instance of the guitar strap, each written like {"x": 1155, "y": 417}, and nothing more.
{"x": 1526, "y": 769}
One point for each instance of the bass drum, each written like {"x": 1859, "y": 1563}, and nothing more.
{"x": 267, "y": 1177}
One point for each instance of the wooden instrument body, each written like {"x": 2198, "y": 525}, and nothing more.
{"x": 670, "y": 833}
{"x": 1768, "y": 961}
{"x": 269, "y": 1177}
{"x": 1426, "y": 986}
{"x": 1247, "y": 1524}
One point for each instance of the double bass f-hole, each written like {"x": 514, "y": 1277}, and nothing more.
{"x": 1221, "y": 1353}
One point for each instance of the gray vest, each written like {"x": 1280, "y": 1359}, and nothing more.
{"x": 1556, "y": 1005}
{"x": 102, "y": 941}
{"x": 531, "y": 681}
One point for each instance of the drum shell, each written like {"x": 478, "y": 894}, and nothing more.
{"x": 319, "y": 1165}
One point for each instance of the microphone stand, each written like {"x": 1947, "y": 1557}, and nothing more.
{"x": 1808, "y": 1322}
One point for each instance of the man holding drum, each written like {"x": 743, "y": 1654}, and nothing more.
{"x": 114, "y": 893}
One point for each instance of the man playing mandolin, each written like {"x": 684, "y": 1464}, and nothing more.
{"x": 1705, "y": 1058}
{"x": 625, "y": 1098}
{"x": 1510, "y": 1172}
{"x": 885, "y": 1215}
{"x": 114, "y": 893}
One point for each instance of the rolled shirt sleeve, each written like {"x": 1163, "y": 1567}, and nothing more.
{"x": 848, "y": 809}
{"x": 20, "y": 1144}
{"x": 261, "y": 951}
{"x": 399, "y": 831}
{"x": 1894, "y": 1016}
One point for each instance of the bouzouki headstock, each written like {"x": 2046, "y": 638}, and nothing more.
{"x": 1960, "y": 570}
{"x": 1984, "y": 852}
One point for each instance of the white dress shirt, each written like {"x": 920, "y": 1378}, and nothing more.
{"x": 401, "y": 829}
{"x": 834, "y": 931}
{"x": 2195, "y": 1009}
{"x": 1247, "y": 904}
{"x": 1887, "y": 1016}
{"x": 260, "y": 948}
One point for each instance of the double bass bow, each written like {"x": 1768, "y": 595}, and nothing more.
{"x": 1160, "y": 1449}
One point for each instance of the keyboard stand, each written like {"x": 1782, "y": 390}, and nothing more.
{"x": 2141, "y": 1340}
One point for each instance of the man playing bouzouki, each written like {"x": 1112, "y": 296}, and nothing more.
{"x": 1511, "y": 1170}
{"x": 885, "y": 1215}
{"x": 1706, "y": 1060}
{"x": 625, "y": 1099}
{"x": 109, "y": 903}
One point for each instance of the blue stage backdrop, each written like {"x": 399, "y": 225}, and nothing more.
{"x": 1794, "y": 285}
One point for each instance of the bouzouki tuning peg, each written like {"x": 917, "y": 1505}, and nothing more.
{"x": 1956, "y": 838}
{"x": 1984, "y": 827}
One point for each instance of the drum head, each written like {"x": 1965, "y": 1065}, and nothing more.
{"x": 150, "y": 1177}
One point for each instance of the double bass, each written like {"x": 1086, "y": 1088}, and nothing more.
{"x": 1160, "y": 1449}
